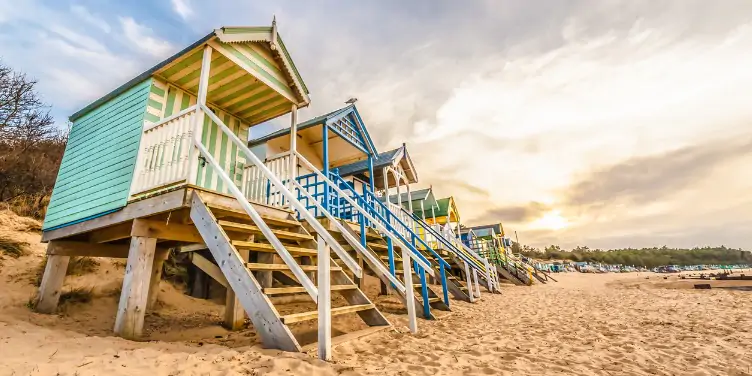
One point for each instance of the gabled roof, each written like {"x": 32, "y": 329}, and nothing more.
{"x": 418, "y": 195}
{"x": 349, "y": 114}
{"x": 387, "y": 158}
{"x": 489, "y": 230}
{"x": 226, "y": 35}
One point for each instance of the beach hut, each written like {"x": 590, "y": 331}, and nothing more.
{"x": 161, "y": 162}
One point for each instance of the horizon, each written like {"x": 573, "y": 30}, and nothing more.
{"x": 611, "y": 125}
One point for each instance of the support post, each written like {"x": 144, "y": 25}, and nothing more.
{"x": 234, "y": 311}
{"x": 370, "y": 172}
{"x": 160, "y": 255}
{"x": 469, "y": 281}
{"x": 129, "y": 322}
{"x": 476, "y": 282}
{"x": 409, "y": 290}
{"x": 325, "y": 162}
{"x": 293, "y": 147}
{"x": 324, "y": 300}
{"x": 198, "y": 118}
{"x": 52, "y": 282}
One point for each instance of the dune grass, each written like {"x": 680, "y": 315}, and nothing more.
{"x": 12, "y": 247}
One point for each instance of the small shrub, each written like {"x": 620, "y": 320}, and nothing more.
{"x": 82, "y": 265}
{"x": 76, "y": 295}
{"x": 12, "y": 247}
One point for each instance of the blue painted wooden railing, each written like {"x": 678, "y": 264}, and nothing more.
{"x": 341, "y": 208}
{"x": 396, "y": 226}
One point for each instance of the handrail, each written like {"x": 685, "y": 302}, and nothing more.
{"x": 444, "y": 241}
{"x": 355, "y": 243}
{"x": 169, "y": 119}
{"x": 419, "y": 259}
{"x": 409, "y": 230}
{"x": 263, "y": 227}
{"x": 318, "y": 227}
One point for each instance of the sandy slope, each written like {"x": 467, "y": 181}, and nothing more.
{"x": 584, "y": 325}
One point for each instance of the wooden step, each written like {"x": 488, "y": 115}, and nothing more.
{"x": 312, "y": 315}
{"x": 300, "y": 289}
{"x": 265, "y": 247}
{"x": 282, "y": 267}
{"x": 220, "y": 210}
{"x": 252, "y": 229}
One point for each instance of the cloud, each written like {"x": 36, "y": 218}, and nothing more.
{"x": 140, "y": 38}
{"x": 645, "y": 179}
{"x": 90, "y": 18}
{"x": 514, "y": 214}
{"x": 182, "y": 8}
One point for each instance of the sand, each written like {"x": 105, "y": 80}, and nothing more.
{"x": 587, "y": 324}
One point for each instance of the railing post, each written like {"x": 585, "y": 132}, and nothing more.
{"x": 390, "y": 251}
{"x": 324, "y": 300}
{"x": 293, "y": 145}
{"x": 409, "y": 291}
{"x": 424, "y": 292}
{"x": 198, "y": 117}
{"x": 443, "y": 281}
{"x": 325, "y": 162}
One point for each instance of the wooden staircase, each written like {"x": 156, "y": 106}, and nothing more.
{"x": 254, "y": 271}
{"x": 378, "y": 246}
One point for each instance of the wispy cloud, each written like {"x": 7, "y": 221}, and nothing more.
{"x": 142, "y": 38}
{"x": 182, "y": 8}
{"x": 90, "y": 18}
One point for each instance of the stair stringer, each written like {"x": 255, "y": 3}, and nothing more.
{"x": 265, "y": 318}
{"x": 509, "y": 276}
{"x": 453, "y": 287}
{"x": 382, "y": 277}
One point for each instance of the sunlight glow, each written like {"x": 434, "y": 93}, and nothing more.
{"x": 553, "y": 220}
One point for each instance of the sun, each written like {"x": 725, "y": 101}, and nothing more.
{"x": 552, "y": 220}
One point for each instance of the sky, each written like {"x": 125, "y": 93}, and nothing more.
{"x": 602, "y": 123}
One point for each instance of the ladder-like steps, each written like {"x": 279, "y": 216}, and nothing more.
{"x": 312, "y": 315}
{"x": 300, "y": 289}
{"x": 223, "y": 211}
{"x": 283, "y": 267}
{"x": 252, "y": 229}
{"x": 265, "y": 247}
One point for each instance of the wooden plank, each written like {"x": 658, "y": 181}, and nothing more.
{"x": 156, "y": 277}
{"x": 312, "y": 315}
{"x": 324, "y": 303}
{"x": 143, "y": 208}
{"x": 266, "y": 247}
{"x": 234, "y": 312}
{"x": 407, "y": 274}
{"x": 129, "y": 322}
{"x": 221, "y": 200}
{"x": 193, "y": 247}
{"x": 223, "y": 211}
{"x": 112, "y": 233}
{"x": 300, "y": 289}
{"x": 252, "y": 229}
{"x": 276, "y": 267}
{"x": 211, "y": 269}
{"x": 84, "y": 249}
{"x": 52, "y": 283}
{"x": 165, "y": 231}
{"x": 273, "y": 332}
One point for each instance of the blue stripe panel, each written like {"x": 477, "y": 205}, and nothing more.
{"x": 97, "y": 169}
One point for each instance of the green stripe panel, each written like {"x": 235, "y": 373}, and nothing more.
{"x": 97, "y": 168}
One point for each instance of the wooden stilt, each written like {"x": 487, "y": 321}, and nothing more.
{"x": 52, "y": 282}
{"x": 384, "y": 290}
{"x": 324, "y": 301}
{"x": 409, "y": 292}
{"x": 265, "y": 277}
{"x": 129, "y": 322}
{"x": 200, "y": 285}
{"x": 362, "y": 281}
{"x": 469, "y": 280}
{"x": 156, "y": 276}
{"x": 234, "y": 312}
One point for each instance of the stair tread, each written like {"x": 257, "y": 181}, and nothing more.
{"x": 306, "y": 268}
{"x": 281, "y": 222}
{"x": 266, "y": 247}
{"x": 282, "y": 234}
{"x": 301, "y": 289}
{"x": 312, "y": 315}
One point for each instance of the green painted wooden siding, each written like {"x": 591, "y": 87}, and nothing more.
{"x": 97, "y": 168}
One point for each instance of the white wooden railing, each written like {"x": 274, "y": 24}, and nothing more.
{"x": 256, "y": 185}
{"x": 164, "y": 152}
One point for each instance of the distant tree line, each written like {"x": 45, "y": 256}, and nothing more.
{"x": 31, "y": 147}
{"x": 647, "y": 257}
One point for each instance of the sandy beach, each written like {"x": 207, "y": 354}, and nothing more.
{"x": 586, "y": 324}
